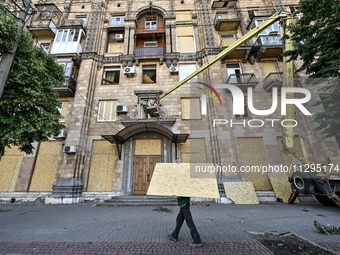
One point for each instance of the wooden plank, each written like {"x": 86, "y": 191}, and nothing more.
{"x": 176, "y": 179}
{"x": 241, "y": 192}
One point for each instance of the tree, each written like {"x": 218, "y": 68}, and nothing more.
{"x": 29, "y": 106}
{"x": 316, "y": 39}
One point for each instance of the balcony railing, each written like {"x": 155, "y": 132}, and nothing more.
{"x": 268, "y": 40}
{"x": 272, "y": 80}
{"x": 227, "y": 21}
{"x": 244, "y": 78}
{"x": 149, "y": 51}
{"x": 68, "y": 88}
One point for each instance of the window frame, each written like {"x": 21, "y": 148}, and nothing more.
{"x": 111, "y": 111}
{"x": 145, "y": 42}
{"x": 115, "y": 23}
{"x": 189, "y": 52}
{"x": 65, "y": 62}
{"x": 155, "y": 68}
{"x": 150, "y": 21}
{"x": 113, "y": 68}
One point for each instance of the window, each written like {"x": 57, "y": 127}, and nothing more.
{"x": 293, "y": 10}
{"x": 246, "y": 113}
{"x": 234, "y": 73}
{"x": 150, "y": 44}
{"x": 63, "y": 111}
{"x": 185, "y": 70}
{"x": 151, "y": 24}
{"x": 68, "y": 66}
{"x": 46, "y": 46}
{"x": 117, "y": 20}
{"x": 186, "y": 44}
{"x": 107, "y": 110}
{"x": 84, "y": 18}
{"x": 67, "y": 35}
{"x": 149, "y": 74}
{"x": 144, "y": 103}
{"x": 111, "y": 76}
{"x": 227, "y": 39}
{"x": 191, "y": 108}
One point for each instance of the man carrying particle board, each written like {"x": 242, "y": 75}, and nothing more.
{"x": 185, "y": 214}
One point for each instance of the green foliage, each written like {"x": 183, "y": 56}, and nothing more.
{"x": 162, "y": 209}
{"x": 316, "y": 39}
{"x": 328, "y": 230}
{"x": 8, "y": 31}
{"x": 29, "y": 106}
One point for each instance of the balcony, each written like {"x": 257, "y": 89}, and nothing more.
{"x": 223, "y": 4}
{"x": 268, "y": 46}
{"x": 67, "y": 89}
{"x": 243, "y": 81}
{"x": 241, "y": 52}
{"x": 149, "y": 51}
{"x": 272, "y": 80}
{"x": 68, "y": 41}
{"x": 227, "y": 21}
{"x": 73, "y": 23}
{"x": 45, "y": 21}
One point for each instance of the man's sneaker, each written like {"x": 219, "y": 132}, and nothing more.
{"x": 172, "y": 238}
{"x": 195, "y": 244}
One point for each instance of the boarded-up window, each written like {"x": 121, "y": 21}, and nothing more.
{"x": 186, "y": 44}
{"x": 46, "y": 166}
{"x": 107, "y": 111}
{"x": 101, "y": 177}
{"x": 9, "y": 169}
{"x": 183, "y": 16}
{"x": 184, "y": 30}
{"x": 185, "y": 71}
{"x": 253, "y": 153}
{"x": 269, "y": 67}
{"x": 191, "y": 108}
{"x": 115, "y": 47}
{"x": 193, "y": 151}
{"x": 63, "y": 111}
{"x": 148, "y": 147}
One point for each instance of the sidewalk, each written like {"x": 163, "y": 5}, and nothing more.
{"x": 87, "y": 229}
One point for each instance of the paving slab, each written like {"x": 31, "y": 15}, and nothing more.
{"x": 219, "y": 225}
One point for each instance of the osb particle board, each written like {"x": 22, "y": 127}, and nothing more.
{"x": 148, "y": 147}
{"x": 281, "y": 186}
{"x": 174, "y": 179}
{"x": 8, "y": 167}
{"x": 260, "y": 184}
{"x": 241, "y": 192}
{"x": 185, "y": 30}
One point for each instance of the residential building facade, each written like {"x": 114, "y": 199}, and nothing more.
{"x": 118, "y": 57}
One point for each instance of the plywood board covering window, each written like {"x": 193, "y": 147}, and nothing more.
{"x": 101, "y": 176}
{"x": 9, "y": 169}
{"x": 191, "y": 108}
{"x": 116, "y": 48}
{"x": 148, "y": 147}
{"x": 107, "y": 110}
{"x": 186, "y": 44}
{"x": 183, "y": 16}
{"x": 253, "y": 153}
{"x": 269, "y": 67}
{"x": 46, "y": 166}
{"x": 193, "y": 151}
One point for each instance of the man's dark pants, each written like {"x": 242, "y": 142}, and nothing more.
{"x": 185, "y": 214}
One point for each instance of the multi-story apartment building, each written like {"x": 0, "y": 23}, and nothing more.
{"x": 119, "y": 55}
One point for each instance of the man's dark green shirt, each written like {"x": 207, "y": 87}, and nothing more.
{"x": 183, "y": 201}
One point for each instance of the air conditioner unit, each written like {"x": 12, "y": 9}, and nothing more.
{"x": 61, "y": 135}
{"x": 70, "y": 149}
{"x": 122, "y": 108}
{"x": 119, "y": 37}
{"x": 129, "y": 70}
{"x": 174, "y": 69}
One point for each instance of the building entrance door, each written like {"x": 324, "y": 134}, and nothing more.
{"x": 147, "y": 153}
{"x": 143, "y": 168}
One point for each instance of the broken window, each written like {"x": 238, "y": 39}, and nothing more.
{"x": 149, "y": 74}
